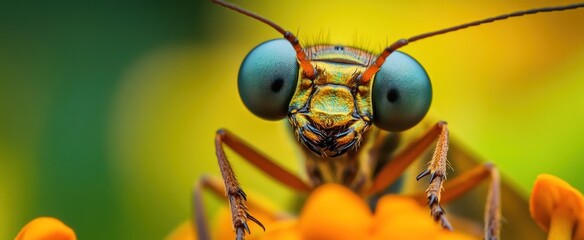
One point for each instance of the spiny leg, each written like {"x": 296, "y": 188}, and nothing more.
{"x": 215, "y": 186}
{"x": 257, "y": 159}
{"x": 437, "y": 168}
{"x": 233, "y": 190}
{"x": 200, "y": 221}
{"x": 391, "y": 171}
{"x": 437, "y": 172}
{"x": 468, "y": 181}
{"x": 235, "y": 195}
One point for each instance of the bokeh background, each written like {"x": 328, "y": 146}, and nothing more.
{"x": 108, "y": 109}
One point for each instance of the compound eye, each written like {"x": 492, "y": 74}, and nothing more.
{"x": 267, "y": 79}
{"x": 402, "y": 93}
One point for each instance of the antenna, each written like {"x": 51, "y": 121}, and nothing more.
{"x": 307, "y": 67}
{"x": 373, "y": 68}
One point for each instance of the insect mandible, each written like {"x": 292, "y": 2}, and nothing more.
{"x": 338, "y": 98}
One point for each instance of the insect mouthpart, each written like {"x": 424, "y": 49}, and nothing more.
{"x": 328, "y": 142}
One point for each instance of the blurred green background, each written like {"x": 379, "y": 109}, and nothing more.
{"x": 108, "y": 109}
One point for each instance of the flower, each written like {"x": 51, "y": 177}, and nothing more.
{"x": 558, "y": 208}
{"x": 335, "y": 212}
{"x": 46, "y": 228}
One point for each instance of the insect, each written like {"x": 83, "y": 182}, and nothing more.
{"x": 337, "y": 100}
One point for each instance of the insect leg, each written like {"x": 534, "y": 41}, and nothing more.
{"x": 437, "y": 168}
{"x": 396, "y": 166}
{"x": 468, "y": 181}
{"x": 437, "y": 172}
{"x": 215, "y": 186}
{"x": 493, "y": 207}
{"x": 257, "y": 159}
{"x": 200, "y": 217}
{"x": 235, "y": 194}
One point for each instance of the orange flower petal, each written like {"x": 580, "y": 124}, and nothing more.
{"x": 46, "y": 228}
{"x": 403, "y": 218}
{"x": 551, "y": 195}
{"x": 334, "y": 212}
{"x": 398, "y": 217}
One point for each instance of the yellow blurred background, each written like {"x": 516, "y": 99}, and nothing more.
{"x": 108, "y": 110}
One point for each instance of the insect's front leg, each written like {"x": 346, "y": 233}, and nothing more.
{"x": 436, "y": 169}
{"x": 200, "y": 218}
{"x": 437, "y": 172}
{"x": 438, "y": 192}
{"x": 469, "y": 180}
{"x": 215, "y": 186}
{"x": 234, "y": 193}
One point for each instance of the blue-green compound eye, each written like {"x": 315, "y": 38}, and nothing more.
{"x": 267, "y": 79}
{"x": 402, "y": 93}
